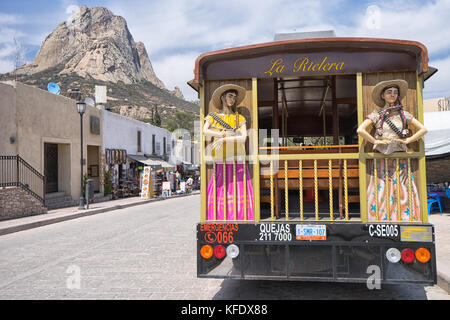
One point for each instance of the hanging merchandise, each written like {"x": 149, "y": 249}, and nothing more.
{"x": 119, "y": 157}
{"x": 108, "y": 156}
{"x": 147, "y": 186}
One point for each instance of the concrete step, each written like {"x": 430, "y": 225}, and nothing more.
{"x": 65, "y": 204}
{"x": 58, "y": 200}
{"x": 54, "y": 195}
{"x": 102, "y": 198}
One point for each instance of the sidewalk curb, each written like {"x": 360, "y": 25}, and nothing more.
{"x": 443, "y": 281}
{"x": 80, "y": 214}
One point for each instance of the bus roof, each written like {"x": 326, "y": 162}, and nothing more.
{"x": 361, "y": 54}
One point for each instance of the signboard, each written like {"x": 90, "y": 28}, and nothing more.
{"x": 166, "y": 185}
{"x": 308, "y": 63}
{"x": 94, "y": 123}
{"x": 100, "y": 94}
{"x": 147, "y": 187}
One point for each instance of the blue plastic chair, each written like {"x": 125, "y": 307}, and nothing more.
{"x": 433, "y": 202}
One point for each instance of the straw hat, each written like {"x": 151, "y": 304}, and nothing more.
{"x": 376, "y": 91}
{"x": 215, "y": 100}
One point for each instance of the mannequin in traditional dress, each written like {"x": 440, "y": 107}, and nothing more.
{"x": 392, "y": 134}
{"x": 228, "y": 131}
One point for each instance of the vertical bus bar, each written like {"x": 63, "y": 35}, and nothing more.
{"x": 271, "y": 192}
{"x": 330, "y": 187}
{"x": 245, "y": 188}
{"x": 215, "y": 191}
{"x": 397, "y": 171}
{"x": 345, "y": 190}
{"x": 256, "y": 190}
{"x": 234, "y": 190}
{"x": 411, "y": 213}
{"x": 202, "y": 156}
{"x": 300, "y": 187}
{"x": 316, "y": 192}
{"x": 421, "y": 160}
{"x": 224, "y": 187}
{"x": 386, "y": 185}
{"x": 286, "y": 190}
{"x": 362, "y": 157}
{"x": 375, "y": 177}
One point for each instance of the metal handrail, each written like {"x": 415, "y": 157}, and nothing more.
{"x": 16, "y": 172}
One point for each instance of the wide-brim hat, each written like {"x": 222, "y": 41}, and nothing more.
{"x": 215, "y": 100}
{"x": 376, "y": 91}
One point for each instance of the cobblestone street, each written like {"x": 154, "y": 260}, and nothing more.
{"x": 145, "y": 252}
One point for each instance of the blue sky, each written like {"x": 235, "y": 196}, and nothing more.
{"x": 176, "y": 32}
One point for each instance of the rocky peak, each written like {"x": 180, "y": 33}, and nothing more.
{"x": 177, "y": 92}
{"x": 95, "y": 43}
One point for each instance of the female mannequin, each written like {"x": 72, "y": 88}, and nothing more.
{"x": 228, "y": 131}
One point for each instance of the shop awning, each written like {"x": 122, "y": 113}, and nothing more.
{"x": 155, "y": 163}
{"x": 437, "y": 139}
{"x": 167, "y": 166}
{"x": 187, "y": 166}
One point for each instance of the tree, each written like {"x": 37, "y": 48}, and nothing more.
{"x": 181, "y": 120}
{"x": 156, "y": 119}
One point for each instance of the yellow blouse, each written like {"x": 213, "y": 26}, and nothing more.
{"x": 229, "y": 149}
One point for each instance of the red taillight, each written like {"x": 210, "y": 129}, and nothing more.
{"x": 407, "y": 256}
{"x": 219, "y": 252}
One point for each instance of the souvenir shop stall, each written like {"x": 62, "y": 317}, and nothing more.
{"x": 124, "y": 174}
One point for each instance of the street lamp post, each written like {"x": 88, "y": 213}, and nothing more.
{"x": 81, "y": 107}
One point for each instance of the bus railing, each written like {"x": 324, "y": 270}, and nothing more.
{"x": 329, "y": 172}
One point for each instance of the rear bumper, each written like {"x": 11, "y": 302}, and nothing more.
{"x": 349, "y": 253}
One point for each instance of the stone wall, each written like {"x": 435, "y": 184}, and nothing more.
{"x": 438, "y": 170}
{"x": 17, "y": 203}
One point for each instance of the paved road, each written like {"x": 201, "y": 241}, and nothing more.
{"x": 145, "y": 252}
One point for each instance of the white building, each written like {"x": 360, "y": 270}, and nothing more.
{"x": 187, "y": 152}
{"x": 129, "y": 144}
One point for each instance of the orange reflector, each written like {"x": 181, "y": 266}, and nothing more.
{"x": 206, "y": 251}
{"x": 423, "y": 255}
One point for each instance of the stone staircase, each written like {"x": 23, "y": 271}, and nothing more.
{"x": 59, "y": 200}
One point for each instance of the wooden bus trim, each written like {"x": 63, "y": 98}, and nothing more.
{"x": 203, "y": 184}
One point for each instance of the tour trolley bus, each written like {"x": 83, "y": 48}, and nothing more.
{"x": 295, "y": 205}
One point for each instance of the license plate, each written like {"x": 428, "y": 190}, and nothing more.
{"x": 311, "y": 232}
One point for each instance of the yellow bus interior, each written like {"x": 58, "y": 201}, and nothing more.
{"x": 311, "y": 164}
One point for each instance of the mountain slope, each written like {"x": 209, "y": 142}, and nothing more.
{"x": 95, "y": 47}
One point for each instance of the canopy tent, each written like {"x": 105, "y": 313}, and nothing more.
{"x": 437, "y": 139}
{"x": 154, "y": 163}
{"x": 187, "y": 166}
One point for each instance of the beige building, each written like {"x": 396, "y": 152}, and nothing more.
{"x": 436, "y": 104}
{"x": 44, "y": 129}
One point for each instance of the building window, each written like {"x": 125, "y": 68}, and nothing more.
{"x": 164, "y": 145}
{"x": 139, "y": 139}
{"x": 153, "y": 144}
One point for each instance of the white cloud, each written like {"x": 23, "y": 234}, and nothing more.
{"x": 172, "y": 70}
{"x": 6, "y": 65}
{"x": 438, "y": 85}
{"x": 426, "y": 23}
{"x": 71, "y": 9}
{"x": 9, "y": 19}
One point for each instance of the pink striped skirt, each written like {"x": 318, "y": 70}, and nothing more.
{"x": 229, "y": 184}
